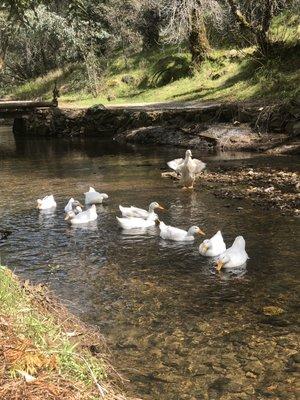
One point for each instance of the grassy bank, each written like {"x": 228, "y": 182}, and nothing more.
{"x": 45, "y": 352}
{"x": 165, "y": 75}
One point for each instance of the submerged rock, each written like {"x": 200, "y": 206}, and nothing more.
{"x": 272, "y": 310}
{"x": 4, "y": 234}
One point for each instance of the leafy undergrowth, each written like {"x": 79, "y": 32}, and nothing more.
{"x": 165, "y": 75}
{"x": 45, "y": 352}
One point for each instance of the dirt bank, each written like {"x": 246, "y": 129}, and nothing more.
{"x": 267, "y": 187}
{"x": 245, "y": 126}
{"x": 222, "y": 136}
{"x": 46, "y": 352}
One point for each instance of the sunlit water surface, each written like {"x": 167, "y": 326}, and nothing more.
{"x": 177, "y": 330}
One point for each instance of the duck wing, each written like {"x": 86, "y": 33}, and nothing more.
{"x": 217, "y": 238}
{"x": 69, "y": 207}
{"x": 85, "y": 216}
{"x": 132, "y": 211}
{"x": 93, "y": 198}
{"x": 175, "y": 164}
{"x": 170, "y": 232}
{"x": 125, "y": 211}
{"x": 131, "y": 223}
{"x": 198, "y": 165}
{"x": 139, "y": 212}
{"x": 177, "y": 233}
{"x": 48, "y": 202}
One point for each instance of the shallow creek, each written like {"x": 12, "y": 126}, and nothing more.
{"x": 176, "y": 329}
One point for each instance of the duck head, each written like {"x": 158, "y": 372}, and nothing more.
{"x": 39, "y": 203}
{"x": 70, "y": 215}
{"x": 154, "y": 205}
{"x": 195, "y": 230}
{"x": 221, "y": 261}
{"x": 76, "y": 203}
{"x": 205, "y": 245}
{"x": 188, "y": 154}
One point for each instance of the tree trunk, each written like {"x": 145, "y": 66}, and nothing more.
{"x": 198, "y": 42}
{"x": 260, "y": 32}
{"x": 150, "y": 28}
{"x": 3, "y": 50}
{"x": 262, "y": 36}
{"x": 262, "y": 41}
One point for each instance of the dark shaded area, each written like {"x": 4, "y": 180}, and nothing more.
{"x": 170, "y": 69}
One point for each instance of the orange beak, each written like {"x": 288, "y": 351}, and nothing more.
{"x": 160, "y": 207}
{"x": 205, "y": 248}
{"x": 200, "y": 232}
{"x": 219, "y": 265}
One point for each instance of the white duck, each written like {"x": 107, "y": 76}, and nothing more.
{"x": 73, "y": 205}
{"x": 135, "y": 212}
{"x": 82, "y": 217}
{"x": 93, "y": 197}
{"x": 132, "y": 223}
{"x": 188, "y": 168}
{"x": 46, "y": 203}
{"x": 234, "y": 256}
{"x": 180, "y": 235}
{"x": 213, "y": 247}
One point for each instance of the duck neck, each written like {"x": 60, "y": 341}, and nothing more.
{"x": 151, "y": 215}
{"x": 187, "y": 158}
{"x": 151, "y": 209}
{"x": 190, "y": 233}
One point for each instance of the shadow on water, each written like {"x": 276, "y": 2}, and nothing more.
{"x": 177, "y": 329}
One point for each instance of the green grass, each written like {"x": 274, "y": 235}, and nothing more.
{"x": 48, "y": 337}
{"x": 220, "y": 78}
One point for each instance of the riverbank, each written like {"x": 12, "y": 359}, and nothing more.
{"x": 269, "y": 188}
{"x": 46, "y": 352}
{"x": 223, "y": 126}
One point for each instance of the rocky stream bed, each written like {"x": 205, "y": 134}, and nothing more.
{"x": 266, "y": 187}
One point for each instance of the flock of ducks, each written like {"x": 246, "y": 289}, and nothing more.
{"x": 134, "y": 217}
{"x": 74, "y": 209}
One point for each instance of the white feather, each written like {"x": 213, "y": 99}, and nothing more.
{"x": 213, "y": 247}
{"x": 176, "y": 234}
{"x": 188, "y": 168}
{"x": 83, "y": 217}
{"x": 236, "y": 255}
{"x": 132, "y": 223}
{"x": 135, "y": 212}
{"x": 46, "y": 203}
{"x": 94, "y": 197}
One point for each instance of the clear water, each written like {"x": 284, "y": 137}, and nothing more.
{"x": 177, "y": 330}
